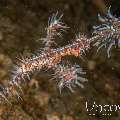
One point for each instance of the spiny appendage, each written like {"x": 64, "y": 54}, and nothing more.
{"x": 19, "y": 76}
{"x": 22, "y": 72}
{"x": 108, "y": 33}
{"x": 12, "y": 90}
{"x": 69, "y": 76}
{"x": 83, "y": 41}
{"x": 55, "y": 28}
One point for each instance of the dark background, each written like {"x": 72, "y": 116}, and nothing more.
{"x": 22, "y": 24}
